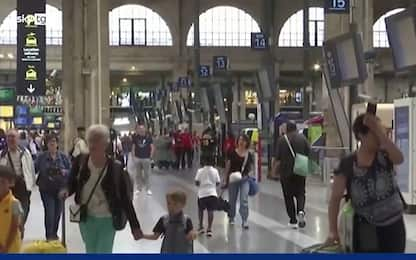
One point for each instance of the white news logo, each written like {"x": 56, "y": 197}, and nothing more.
{"x": 32, "y": 19}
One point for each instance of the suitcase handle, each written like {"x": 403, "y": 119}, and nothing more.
{"x": 63, "y": 234}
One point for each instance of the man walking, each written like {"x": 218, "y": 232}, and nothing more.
{"x": 80, "y": 145}
{"x": 142, "y": 151}
{"x": 293, "y": 185}
{"x": 20, "y": 161}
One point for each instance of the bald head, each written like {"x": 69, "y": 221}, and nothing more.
{"x": 12, "y": 139}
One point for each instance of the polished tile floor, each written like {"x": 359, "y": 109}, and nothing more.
{"x": 268, "y": 231}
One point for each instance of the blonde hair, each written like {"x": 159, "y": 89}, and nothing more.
{"x": 101, "y": 131}
{"x": 177, "y": 196}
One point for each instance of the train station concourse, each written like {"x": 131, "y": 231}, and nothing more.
{"x": 207, "y": 126}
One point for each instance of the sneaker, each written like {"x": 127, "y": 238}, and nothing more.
{"x": 149, "y": 193}
{"x": 301, "y": 218}
{"x": 201, "y": 231}
{"x": 209, "y": 233}
{"x": 293, "y": 225}
{"x": 231, "y": 222}
{"x": 245, "y": 225}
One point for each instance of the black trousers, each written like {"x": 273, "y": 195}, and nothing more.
{"x": 375, "y": 239}
{"x": 186, "y": 155}
{"x": 293, "y": 187}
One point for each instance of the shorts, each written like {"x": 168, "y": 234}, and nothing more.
{"x": 207, "y": 203}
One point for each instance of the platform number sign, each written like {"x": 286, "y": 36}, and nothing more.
{"x": 220, "y": 63}
{"x": 259, "y": 41}
{"x": 337, "y": 6}
{"x": 204, "y": 71}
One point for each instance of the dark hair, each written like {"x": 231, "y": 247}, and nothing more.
{"x": 81, "y": 129}
{"x": 207, "y": 159}
{"x": 246, "y": 139}
{"x": 359, "y": 128}
{"x": 50, "y": 137}
{"x": 291, "y": 127}
{"x": 7, "y": 173}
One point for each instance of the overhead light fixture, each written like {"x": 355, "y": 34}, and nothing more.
{"x": 1, "y": 56}
{"x": 124, "y": 80}
{"x": 283, "y": 91}
{"x": 316, "y": 67}
{"x": 10, "y": 56}
{"x": 133, "y": 68}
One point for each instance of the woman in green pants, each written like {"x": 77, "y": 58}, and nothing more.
{"x": 101, "y": 186}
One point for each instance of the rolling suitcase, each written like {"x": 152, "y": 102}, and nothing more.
{"x": 323, "y": 249}
{"x": 49, "y": 247}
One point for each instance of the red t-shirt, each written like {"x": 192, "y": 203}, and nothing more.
{"x": 186, "y": 140}
{"x": 229, "y": 145}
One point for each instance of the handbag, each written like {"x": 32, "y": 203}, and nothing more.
{"x": 238, "y": 176}
{"x": 253, "y": 186}
{"x": 222, "y": 204}
{"x": 78, "y": 213}
{"x": 301, "y": 166}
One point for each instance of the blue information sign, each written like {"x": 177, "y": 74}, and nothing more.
{"x": 204, "y": 71}
{"x": 220, "y": 63}
{"x": 259, "y": 41}
{"x": 337, "y": 6}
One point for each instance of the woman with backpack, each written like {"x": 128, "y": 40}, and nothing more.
{"x": 103, "y": 196}
{"x": 368, "y": 175}
{"x": 52, "y": 168}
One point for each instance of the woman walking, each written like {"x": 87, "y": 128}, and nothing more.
{"x": 368, "y": 175}
{"x": 100, "y": 187}
{"x": 52, "y": 168}
{"x": 239, "y": 166}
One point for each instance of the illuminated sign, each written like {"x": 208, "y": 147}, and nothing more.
{"x": 31, "y": 48}
{"x": 6, "y": 112}
{"x": 38, "y": 121}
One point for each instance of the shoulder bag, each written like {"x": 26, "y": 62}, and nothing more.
{"x": 301, "y": 166}
{"x": 78, "y": 212}
{"x": 237, "y": 176}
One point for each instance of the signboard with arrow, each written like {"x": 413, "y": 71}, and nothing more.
{"x": 31, "y": 48}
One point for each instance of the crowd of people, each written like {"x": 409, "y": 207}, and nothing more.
{"x": 104, "y": 180}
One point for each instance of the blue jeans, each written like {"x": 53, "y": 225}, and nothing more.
{"x": 53, "y": 210}
{"x": 241, "y": 187}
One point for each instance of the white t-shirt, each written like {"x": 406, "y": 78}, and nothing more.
{"x": 208, "y": 177}
{"x": 98, "y": 206}
{"x": 80, "y": 147}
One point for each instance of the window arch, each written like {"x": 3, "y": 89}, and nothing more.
{"x": 138, "y": 25}
{"x": 380, "y": 39}
{"x": 8, "y": 28}
{"x": 291, "y": 34}
{"x": 224, "y": 26}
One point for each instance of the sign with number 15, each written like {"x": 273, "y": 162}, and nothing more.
{"x": 337, "y": 6}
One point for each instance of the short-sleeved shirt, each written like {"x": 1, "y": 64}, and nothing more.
{"x": 284, "y": 155}
{"x": 208, "y": 177}
{"x": 236, "y": 163}
{"x": 160, "y": 226}
{"x": 373, "y": 190}
{"x": 142, "y": 146}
